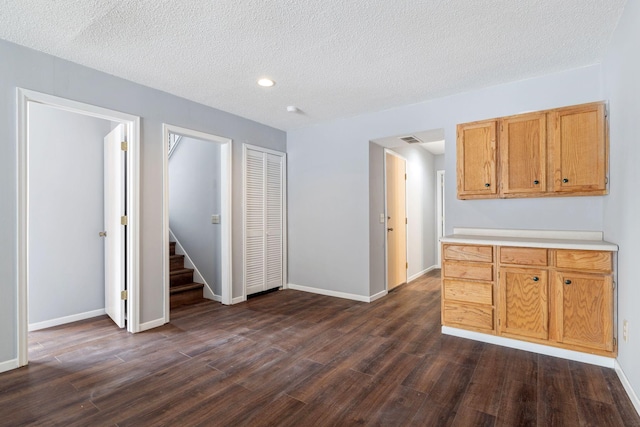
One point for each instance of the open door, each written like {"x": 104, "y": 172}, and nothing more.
{"x": 115, "y": 231}
{"x": 396, "y": 168}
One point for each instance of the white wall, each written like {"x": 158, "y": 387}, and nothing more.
{"x": 194, "y": 195}
{"x": 329, "y": 178}
{"x": 377, "y": 230}
{"x": 66, "y": 213}
{"x": 622, "y": 206}
{"x": 438, "y": 162}
{"x": 421, "y": 209}
{"x": 22, "y": 67}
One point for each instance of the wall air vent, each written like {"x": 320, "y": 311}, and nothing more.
{"x": 410, "y": 139}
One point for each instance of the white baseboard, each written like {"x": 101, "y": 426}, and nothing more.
{"x": 607, "y": 362}
{"x": 421, "y": 273}
{"x": 152, "y": 324}
{"x": 627, "y": 387}
{"x": 329, "y": 293}
{"x": 66, "y": 319}
{"x": 213, "y": 297}
{"x": 238, "y": 300}
{"x": 9, "y": 365}
{"x": 379, "y": 295}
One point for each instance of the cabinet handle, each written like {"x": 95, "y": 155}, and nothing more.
{"x": 536, "y": 182}
{"x": 567, "y": 282}
{"x": 535, "y": 278}
{"x": 565, "y": 180}
{"x": 487, "y": 185}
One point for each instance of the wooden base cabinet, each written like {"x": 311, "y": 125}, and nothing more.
{"x": 468, "y": 287}
{"x": 584, "y": 310}
{"x": 558, "y": 297}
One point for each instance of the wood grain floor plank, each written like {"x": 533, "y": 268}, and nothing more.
{"x": 290, "y": 358}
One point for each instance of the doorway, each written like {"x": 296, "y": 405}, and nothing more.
{"x": 440, "y": 217}
{"x": 220, "y": 220}
{"x": 396, "y": 215}
{"x": 127, "y": 255}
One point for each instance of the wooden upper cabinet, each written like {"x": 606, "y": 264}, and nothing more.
{"x": 559, "y": 152}
{"x": 523, "y": 154}
{"x": 580, "y": 148}
{"x": 476, "y": 160}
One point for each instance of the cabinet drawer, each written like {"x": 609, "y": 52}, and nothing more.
{"x": 459, "y": 290}
{"x": 468, "y": 253}
{"x": 468, "y": 270}
{"x": 475, "y": 316}
{"x": 584, "y": 260}
{"x": 523, "y": 256}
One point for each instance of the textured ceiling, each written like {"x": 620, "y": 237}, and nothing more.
{"x": 330, "y": 58}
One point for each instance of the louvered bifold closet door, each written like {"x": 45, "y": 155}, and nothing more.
{"x": 254, "y": 245}
{"x": 264, "y": 219}
{"x": 274, "y": 221}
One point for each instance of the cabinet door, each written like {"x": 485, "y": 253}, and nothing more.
{"x": 584, "y": 309}
{"x": 476, "y": 160}
{"x": 523, "y": 148}
{"x": 524, "y": 302}
{"x": 580, "y": 148}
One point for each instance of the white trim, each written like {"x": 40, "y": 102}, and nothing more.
{"x": 197, "y": 276}
{"x": 152, "y": 324}
{"x": 216, "y": 298}
{"x": 285, "y": 269}
{"x": 226, "y": 216}
{"x": 132, "y": 124}
{"x": 238, "y": 300}
{"x": 379, "y": 295}
{"x": 8, "y": 365}
{"x": 66, "y": 319}
{"x": 421, "y": 273}
{"x": 440, "y": 214}
{"x": 592, "y": 359}
{"x": 336, "y": 294}
{"x": 627, "y": 387}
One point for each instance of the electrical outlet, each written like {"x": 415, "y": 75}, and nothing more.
{"x": 625, "y": 330}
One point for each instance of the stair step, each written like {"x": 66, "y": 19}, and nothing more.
{"x": 172, "y": 248}
{"x": 176, "y": 262}
{"x": 188, "y": 293}
{"x": 181, "y": 276}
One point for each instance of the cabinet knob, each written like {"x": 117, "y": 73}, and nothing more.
{"x": 536, "y": 182}
{"x": 535, "y": 278}
{"x": 487, "y": 185}
{"x": 567, "y": 282}
{"x": 565, "y": 180}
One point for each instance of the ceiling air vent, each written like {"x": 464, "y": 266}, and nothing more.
{"x": 410, "y": 139}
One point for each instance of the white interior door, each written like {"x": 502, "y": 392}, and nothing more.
{"x": 114, "y": 209}
{"x": 263, "y": 219}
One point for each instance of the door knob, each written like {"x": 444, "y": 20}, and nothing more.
{"x": 389, "y": 229}
{"x": 102, "y": 234}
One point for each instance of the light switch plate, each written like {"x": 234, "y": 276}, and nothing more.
{"x": 215, "y": 219}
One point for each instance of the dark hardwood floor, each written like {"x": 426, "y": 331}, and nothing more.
{"x": 290, "y": 358}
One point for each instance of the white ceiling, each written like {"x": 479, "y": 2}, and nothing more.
{"x": 431, "y": 140}
{"x": 330, "y": 58}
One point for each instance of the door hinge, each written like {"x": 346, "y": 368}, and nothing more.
{"x": 406, "y": 221}
{"x": 407, "y": 265}
{"x": 124, "y": 146}
{"x": 615, "y": 342}
{"x": 613, "y": 285}
{"x": 123, "y": 295}
{"x": 123, "y": 220}
{"x": 405, "y": 176}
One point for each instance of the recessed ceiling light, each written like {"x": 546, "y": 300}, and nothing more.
{"x": 265, "y": 82}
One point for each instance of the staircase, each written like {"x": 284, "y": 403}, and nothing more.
{"x": 182, "y": 289}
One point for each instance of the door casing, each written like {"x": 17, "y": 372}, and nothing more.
{"x": 132, "y": 125}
